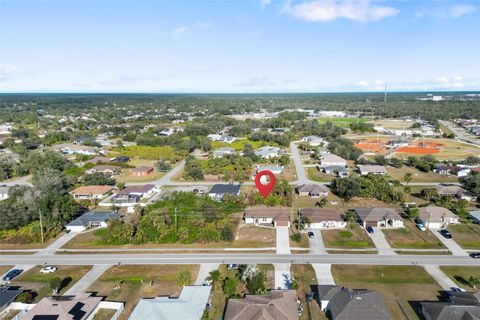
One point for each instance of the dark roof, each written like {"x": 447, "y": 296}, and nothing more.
{"x": 448, "y": 311}
{"x": 136, "y": 189}
{"x": 377, "y": 214}
{"x": 322, "y": 214}
{"x": 346, "y": 304}
{"x": 7, "y": 295}
{"x": 225, "y": 188}
{"x": 93, "y": 216}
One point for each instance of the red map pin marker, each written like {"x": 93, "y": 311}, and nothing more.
{"x": 265, "y": 189}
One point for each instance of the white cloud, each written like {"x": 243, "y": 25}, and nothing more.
{"x": 180, "y": 31}
{"x": 329, "y": 10}
{"x": 362, "y": 84}
{"x": 265, "y": 3}
{"x": 7, "y": 72}
{"x": 447, "y": 12}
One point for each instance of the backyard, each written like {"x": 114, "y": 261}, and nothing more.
{"x": 402, "y": 287}
{"x": 134, "y": 282}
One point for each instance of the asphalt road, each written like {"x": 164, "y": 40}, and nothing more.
{"x": 460, "y": 133}
{"x": 243, "y": 258}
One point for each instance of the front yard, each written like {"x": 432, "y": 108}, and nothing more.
{"x": 400, "y": 286}
{"x": 466, "y": 235}
{"x": 305, "y": 276}
{"x": 461, "y": 275}
{"x": 40, "y": 283}
{"x": 316, "y": 175}
{"x": 132, "y": 283}
{"x": 411, "y": 237}
{"x": 354, "y": 237}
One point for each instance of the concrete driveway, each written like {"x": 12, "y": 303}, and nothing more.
{"x": 454, "y": 248}
{"x": 282, "y": 275}
{"x": 324, "y": 273}
{"x": 204, "y": 272}
{"x": 378, "y": 238}
{"x": 87, "y": 280}
{"x": 443, "y": 280}
{"x": 283, "y": 240}
{"x": 316, "y": 244}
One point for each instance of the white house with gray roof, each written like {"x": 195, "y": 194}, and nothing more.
{"x": 267, "y": 152}
{"x": 221, "y": 152}
{"x": 91, "y": 219}
{"x": 190, "y": 305}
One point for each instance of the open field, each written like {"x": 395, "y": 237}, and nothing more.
{"x": 144, "y": 152}
{"x": 393, "y": 123}
{"x": 349, "y": 238}
{"x": 40, "y": 283}
{"x": 131, "y": 283}
{"x": 125, "y": 176}
{"x": 418, "y": 176}
{"x": 305, "y": 275}
{"x": 398, "y": 285}
{"x": 247, "y": 236}
{"x": 33, "y": 245}
{"x": 460, "y": 275}
{"x": 466, "y": 235}
{"x": 342, "y": 122}
{"x": 411, "y": 237}
{"x": 448, "y": 150}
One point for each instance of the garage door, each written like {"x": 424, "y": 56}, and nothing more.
{"x": 371, "y": 223}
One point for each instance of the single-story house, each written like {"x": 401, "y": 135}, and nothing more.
{"x": 312, "y": 190}
{"x": 96, "y": 160}
{"x": 278, "y": 304}
{"x": 379, "y": 217}
{"x": 121, "y": 159}
{"x": 7, "y": 295}
{"x": 457, "y": 306}
{"x": 475, "y": 215}
{"x": 190, "y": 305}
{"x": 227, "y": 139}
{"x": 167, "y": 132}
{"x": 273, "y": 169}
{"x": 442, "y": 169}
{"x": 456, "y": 191}
{"x": 214, "y": 137}
{"x": 78, "y": 149}
{"x": 330, "y": 160}
{"x": 105, "y": 169}
{"x": 90, "y": 192}
{"x": 314, "y": 141}
{"x": 278, "y": 131}
{"x": 278, "y": 216}
{"x": 341, "y": 172}
{"x": 142, "y": 171}
{"x": 219, "y": 190}
{"x": 4, "y": 192}
{"x": 323, "y": 218}
{"x": 91, "y": 219}
{"x": 133, "y": 194}
{"x": 220, "y": 153}
{"x": 460, "y": 171}
{"x": 267, "y": 152}
{"x": 342, "y": 303}
{"x": 437, "y": 217}
{"x": 83, "y": 306}
{"x": 373, "y": 169}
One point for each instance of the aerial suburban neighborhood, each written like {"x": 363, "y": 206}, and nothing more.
{"x": 239, "y": 160}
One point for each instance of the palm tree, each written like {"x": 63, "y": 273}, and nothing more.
{"x": 184, "y": 278}
{"x": 408, "y": 177}
{"x": 214, "y": 276}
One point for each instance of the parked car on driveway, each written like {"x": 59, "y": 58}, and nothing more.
{"x": 446, "y": 234}
{"x": 48, "y": 269}
{"x": 311, "y": 234}
{"x": 12, "y": 274}
{"x": 370, "y": 230}
{"x": 421, "y": 226}
{"x": 457, "y": 289}
{"x": 475, "y": 255}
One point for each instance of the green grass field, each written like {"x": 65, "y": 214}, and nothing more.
{"x": 342, "y": 122}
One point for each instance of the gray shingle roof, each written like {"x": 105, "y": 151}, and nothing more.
{"x": 225, "y": 188}
{"x": 93, "y": 216}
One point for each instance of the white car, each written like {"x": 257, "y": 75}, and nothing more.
{"x": 421, "y": 227}
{"x": 48, "y": 269}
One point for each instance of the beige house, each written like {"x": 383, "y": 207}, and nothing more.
{"x": 379, "y": 217}
{"x": 278, "y": 216}
{"x": 323, "y": 218}
{"x": 437, "y": 217}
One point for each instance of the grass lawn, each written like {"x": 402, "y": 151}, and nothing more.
{"x": 303, "y": 243}
{"x": 125, "y": 176}
{"x": 305, "y": 275}
{"x": 393, "y": 123}
{"x": 249, "y": 236}
{"x": 40, "y": 283}
{"x": 316, "y": 175}
{"x": 131, "y": 283}
{"x": 351, "y": 252}
{"x": 411, "y": 237}
{"x": 34, "y": 245}
{"x": 460, "y": 275}
{"x": 145, "y": 152}
{"x": 4, "y": 269}
{"x": 398, "y": 285}
{"x": 104, "y": 314}
{"x": 349, "y": 238}
{"x": 466, "y": 235}
{"x": 342, "y": 122}
{"x": 418, "y": 176}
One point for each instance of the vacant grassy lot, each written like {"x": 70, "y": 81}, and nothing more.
{"x": 411, "y": 237}
{"x": 305, "y": 275}
{"x": 316, "y": 175}
{"x": 35, "y": 245}
{"x": 466, "y": 235}
{"x": 247, "y": 236}
{"x": 145, "y": 152}
{"x": 460, "y": 275}
{"x": 349, "y": 238}
{"x": 393, "y": 123}
{"x": 131, "y": 283}
{"x": 40, "y": 283}
{"x": 342, "y": 122}
{"x": 418, "y": 176}
{"x": 398, "y": 285}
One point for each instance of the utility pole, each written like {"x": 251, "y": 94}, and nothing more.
{"x": 175, "y": 220}
{"x": 41, "y": 224}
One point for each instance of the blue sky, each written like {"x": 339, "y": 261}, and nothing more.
{"x": 239, "y": 45}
